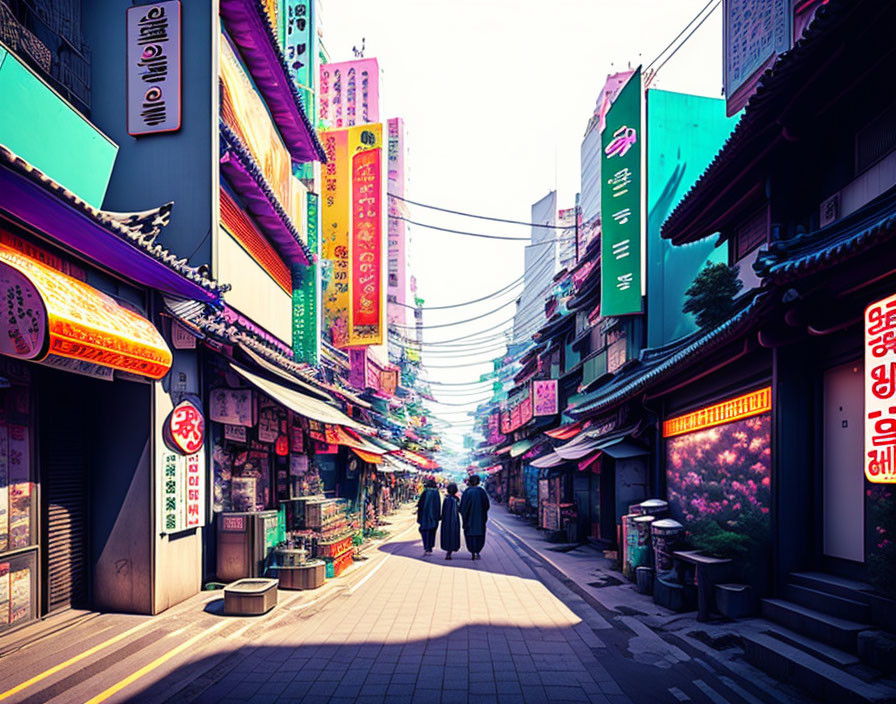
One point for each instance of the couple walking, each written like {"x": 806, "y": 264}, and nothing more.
{"x": 472, "y": 507}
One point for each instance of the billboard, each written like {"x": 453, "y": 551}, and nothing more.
{"x": 350, "y": 93}
{"x": 352, "y": 234}
{"x": 306, "y": 286}
{"x": 622, "y": 221}
{"x": 397, "y": 282}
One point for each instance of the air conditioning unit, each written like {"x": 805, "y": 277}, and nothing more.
{"x": 829, "y": 210}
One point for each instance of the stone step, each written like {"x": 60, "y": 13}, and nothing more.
{"x": 839, "y": 632}
{"x": 832, "y": 584}
{"x": 817, "y": 649}
{"x": 790, "y": 664}
{"x": 828, "y": 603}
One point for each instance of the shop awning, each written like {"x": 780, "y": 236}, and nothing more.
{"x": 337, "y": 435}
{"x": 623, "y": 448}
{"x": 54, "y": 317}
{"x": 576, "y": 451}
{"x": 565, "y": 432}
{"x": 418, "y": 460}
{"x": 550, "y": 460}
{"x": 518, "y": 448}
{"x": 369, "y": 457}
{"x": 274, "y": 369}
{"x": 298, "y": 402}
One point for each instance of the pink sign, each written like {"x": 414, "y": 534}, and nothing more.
{"x": 194, "y": 491}
{"x": 350, "y": 93}
{"x": 397, "y": 285}
{"x": 545, "y": 393}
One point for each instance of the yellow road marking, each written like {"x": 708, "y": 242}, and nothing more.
{"x": 71, "y": 661}
{"x": 146, "y": 669}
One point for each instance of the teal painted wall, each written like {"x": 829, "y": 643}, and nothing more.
{"x": 47, "y": 132}
{"x": 684, "y": 133}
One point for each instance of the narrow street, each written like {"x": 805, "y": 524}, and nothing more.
{"x": 398, "y": 628}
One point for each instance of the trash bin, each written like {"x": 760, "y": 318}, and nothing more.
{"x": 666, "y": 534}
{"x": 641, "y": 550}
{"x": 654, "y": 507}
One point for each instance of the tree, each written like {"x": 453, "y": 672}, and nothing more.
{"x": 711, "y": 296}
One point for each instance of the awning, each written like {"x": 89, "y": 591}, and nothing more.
{"x": 565, "y": 432}
{"x": 418, "y": 460}
{"x": 337, "y": 435}
{"x": 576, "y": 451}
{"x": 274, "y": 369}
{"x": 369, "y": 457}
{"x": 518, "y": 448}
{"x": 53, "y": 317}
{"x": 623, "y": 448}
{"x": 551, "y": 460}
{"x": 298, "y": 402}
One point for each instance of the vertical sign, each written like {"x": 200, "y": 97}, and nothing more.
{"x": 183, "y": 491}
{"x": 298, "y": 37}
{"x": 194, "y": 492}
{"x": 153, "y": 56}
{"x": 305, "y": 305}
{"x": 335, "y": 225}
{"x": 880, "y": 391}
{"x": 350, "y": 93}
{"x": 620, "y": 201}
{"x": 397, "y": 269}
{"x": 365, "y": 321}
{"x": 545, "y": 393}
{"x": 756, "y": 31}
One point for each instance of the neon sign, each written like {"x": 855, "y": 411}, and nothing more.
{"x": 751, "y": 404}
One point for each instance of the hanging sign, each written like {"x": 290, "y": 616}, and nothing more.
{"x": 184, "y": 430}
{"x": 237, "y": 433}
{"x": 305, "y": 295}
{"x": 153, "y": 69}
{"x": 181, "y": 338}
{"x": 366, "y": 251}
{"x": 621, "y": 280}
{"x": 335, "y": 214}
{"x": 545, "y": 393}
{"x": 880, "y": 391}
{"x": 268, "y": 425}
{"x": 232, "y": 406}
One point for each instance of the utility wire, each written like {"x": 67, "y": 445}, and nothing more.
{"x": 684, "y": 41}
{"x": 480, "y": 217}
{"x": 481, "y": 235}
{"x": 497, "y": 293}
{"x": 687, "y": 26}
{"x": 456, "y": 322}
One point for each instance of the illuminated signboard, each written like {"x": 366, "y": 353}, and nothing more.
{"x": 366, "y": 251}
{"x": 751, "y": 404}
{"x": 153, "y": 33}
{"x": 880, "y": 391}
{"x": 50, "y": 313}
{"x": 184, "y": 430}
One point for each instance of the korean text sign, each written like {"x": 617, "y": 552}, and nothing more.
{"x": 622, "y": 144}
{"x": 153, "y": 56}
{"x": 880, "y": 391}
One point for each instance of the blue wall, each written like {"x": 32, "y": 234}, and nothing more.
{"x": 174, "y": 166}
{"x": 684, "y": 133}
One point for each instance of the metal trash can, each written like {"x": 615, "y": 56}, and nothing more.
{"x": 666, "y": 535}
{"x": 654, "y": 507}
{"x": 641, "y": 549}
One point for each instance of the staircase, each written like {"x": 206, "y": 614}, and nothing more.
{"x": 813, "y": 640}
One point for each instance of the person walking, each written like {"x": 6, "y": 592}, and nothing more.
{"x": 428, "y": 508}
{"x": 474, "y": 509}
{"x": 450, "y": 535}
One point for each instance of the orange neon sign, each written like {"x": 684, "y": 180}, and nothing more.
{"x": 751, "y": 404}
{"x": 45, "y": 313}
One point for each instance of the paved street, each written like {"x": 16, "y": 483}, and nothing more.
{"x": 399, "y": 628}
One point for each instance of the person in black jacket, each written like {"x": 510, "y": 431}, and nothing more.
{"x": 450, "y": 533}
{"x": 428, "y": 509}
{"x": 474, "y": 506}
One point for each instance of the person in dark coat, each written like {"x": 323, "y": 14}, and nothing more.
{"x": 450, "y": 535}
{"x": 428, "y": 508}
{"x": 474, "y": 510}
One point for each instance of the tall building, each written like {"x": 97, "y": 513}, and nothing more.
{"x": 540, "y": 266}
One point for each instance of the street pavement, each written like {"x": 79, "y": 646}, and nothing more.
{"x": 399, "y": 627}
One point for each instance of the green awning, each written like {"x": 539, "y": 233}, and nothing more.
{"x": 520, "y": 447}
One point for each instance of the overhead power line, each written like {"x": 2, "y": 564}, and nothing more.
{"x": 456, "y": 322}
{"x": 686, "y": 27}
{"x": 478, "y": 217}
{"x": 479, "y": 234}
{"x": 685, "y": 40}
{"x": 495, "y": 294}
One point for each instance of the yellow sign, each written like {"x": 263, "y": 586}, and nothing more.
{"x": 751, "y": 404}
{"x": 336, "y": 221}
{"x": 50, "y": 313}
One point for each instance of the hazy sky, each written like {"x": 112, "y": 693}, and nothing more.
{"x": 496, "y": 95}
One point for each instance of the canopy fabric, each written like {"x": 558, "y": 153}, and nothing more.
{"x": 337, "y": 435}
{"x": 298, "y": 402}
{"x": 65, "y": 319}
{"x": 518, "y": 448}
{"x": 274, "y": 369}
{"x": 576, "y": 451}
{"x": 419, "y": 460}
{"x": 623, "y": 448}
{"x": 398, "y": 466}
{"x": 368, "y": 457}
{"x": 565, "y": 432}
{"x": 550, "y": 460}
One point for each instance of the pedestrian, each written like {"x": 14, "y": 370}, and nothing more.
{"x": 450, "y": 535}
{"x": 474, "y": 509}
{"x": 428, "y": 508}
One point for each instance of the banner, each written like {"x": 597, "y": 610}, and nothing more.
{"x": 350, "y": 93}
{"x": 366, "y": 252}
{"x": 545, "y": 393}
{"x": 397, "y": 269}
{"x": 305, "y": 303}
{"x": 298, "y": 38}
{"x": 335, "y": 219}
{"x": 880, "y": 391}
{"x": 621, "y": 280}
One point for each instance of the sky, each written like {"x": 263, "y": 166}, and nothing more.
{"x": 496, "y": 95}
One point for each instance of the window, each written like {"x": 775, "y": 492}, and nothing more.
{"x": 752, "y": 233}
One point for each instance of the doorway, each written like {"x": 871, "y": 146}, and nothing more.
{"x": 843, "y": 480}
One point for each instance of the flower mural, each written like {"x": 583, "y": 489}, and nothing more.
{"x": 719, "y": 486}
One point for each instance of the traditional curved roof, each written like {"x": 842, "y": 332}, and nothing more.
{"x": 244, "y": 173}
{"x": 123, "y": 242}
{"x": 779, "y": 82}
{"x": 807, "y": 254}
{"x": 250, "y": 28}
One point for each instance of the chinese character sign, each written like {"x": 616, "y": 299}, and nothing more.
{"x": 545, "y": 392}
{"x": 153, "y": 68}
{"x": 350, "y": 93}
{"x": 335, "y": 224}
{"x": 880, "y": 391}
{"x": 397, "y": 282}
{"x": 182, "y": 491}
{"x": 306, "y": 288}
{"x": 185, "y": 429}
{"x": 621, "y": 203}
{"x": 366, "y": 252}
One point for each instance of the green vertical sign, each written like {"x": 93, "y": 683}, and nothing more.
{"x": 620, "y": 203}
{"x": 305, "y": 303}
{"x": 298, "y": 40}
